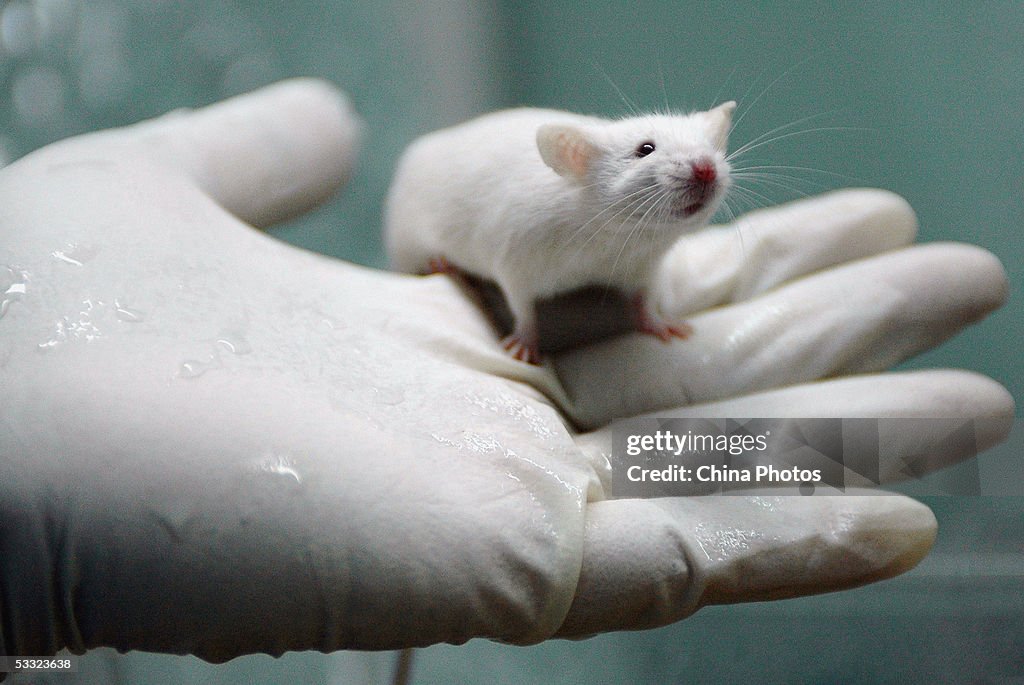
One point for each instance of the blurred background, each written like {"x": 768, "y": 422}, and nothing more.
{"x": 922, "y": 98}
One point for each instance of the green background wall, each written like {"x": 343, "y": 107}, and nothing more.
{"x": 923, "y": 98}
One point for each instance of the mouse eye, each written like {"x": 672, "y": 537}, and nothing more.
{"x": 643, "y": 149}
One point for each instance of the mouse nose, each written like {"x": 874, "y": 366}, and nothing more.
{"x": 703, "y": 170}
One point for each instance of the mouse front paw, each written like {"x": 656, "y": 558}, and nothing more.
{"x": 440, "y": 265}
{"x": 647, "y": 321}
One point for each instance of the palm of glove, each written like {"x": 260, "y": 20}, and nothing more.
{"x": 260, "y": 449}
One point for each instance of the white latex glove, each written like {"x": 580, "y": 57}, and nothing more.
{"x": 217, "y": 444}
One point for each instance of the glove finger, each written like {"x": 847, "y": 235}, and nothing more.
{"x": 928, "y": 420}
{"x": 862, "y": 317}
{"x": 768, "y": 247}
{"x": 264, "y": 156}
{"x": 648, "y": 563}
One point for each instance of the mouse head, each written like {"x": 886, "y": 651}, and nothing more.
{"x": 665, "y": 167}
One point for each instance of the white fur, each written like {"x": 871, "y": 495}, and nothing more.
{"x": 532, "y": 198}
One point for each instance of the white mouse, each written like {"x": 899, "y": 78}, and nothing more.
{"x": 543, "y": 202}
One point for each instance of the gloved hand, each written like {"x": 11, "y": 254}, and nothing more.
{"x": 217, "y": 444}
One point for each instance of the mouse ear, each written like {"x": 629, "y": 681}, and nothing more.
{"x": 721, "y": 123}
{"x": 566, "y": 149}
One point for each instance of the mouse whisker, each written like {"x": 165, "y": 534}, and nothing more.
{"x": 727, "y": 208}
{"x": 755, "y": 199}
{"x": 752, "y": 146}
{"x": 639, "y": 225}
{"x": 631, "y": 201}
{"x": 630, "y": 104}
{"x": 630, "y": 208}
{"x": 791, "y": 167}
{"x": 799, "y": 178}
{"x": 747, "y": 108}
{"x": 653, "y": 199}
{"x": 626, "y": 199}
{"x": 573, "y": 240}
{"x": 787, "y": 181}
{"x": 767, "y": 135}
{"x": 799, "y": 186}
